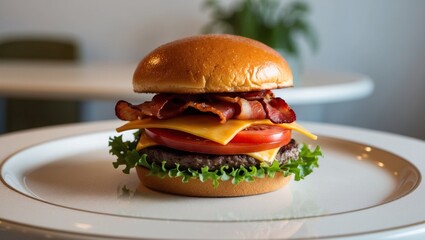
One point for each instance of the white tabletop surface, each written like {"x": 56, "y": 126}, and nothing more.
{"x": 112, "y": 81}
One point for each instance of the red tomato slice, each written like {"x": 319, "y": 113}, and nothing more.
{"x": 250, "y": 140}
{"x": 263, "y": 134}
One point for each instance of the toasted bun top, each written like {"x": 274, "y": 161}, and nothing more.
{"x": 212, "y": 63}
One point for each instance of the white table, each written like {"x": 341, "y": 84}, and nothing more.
{"x": 101, "y": 81}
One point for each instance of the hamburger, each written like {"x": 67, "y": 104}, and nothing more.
{"x": 213, "y": 127}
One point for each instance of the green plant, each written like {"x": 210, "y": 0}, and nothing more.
{"x": 267, "y": 21}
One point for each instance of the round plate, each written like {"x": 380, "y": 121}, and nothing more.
{"x": 60, "y": 181}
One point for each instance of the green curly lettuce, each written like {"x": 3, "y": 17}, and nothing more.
{"x": 129, "y": 157}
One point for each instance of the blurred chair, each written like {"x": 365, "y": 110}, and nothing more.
{"x": 29, "y": 113}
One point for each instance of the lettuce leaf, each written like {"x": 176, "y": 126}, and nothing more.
{"x": 126, "y": 154}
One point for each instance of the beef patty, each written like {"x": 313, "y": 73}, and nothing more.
{"x": 196, "y": 161}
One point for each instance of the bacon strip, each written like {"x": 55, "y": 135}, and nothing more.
{"x": 247, "y": 109}
{"x": 164, "y": 106}
{"x": 126, "y": 111}
{"x": 223, "y": 110}
{"x": 251, "y": 110}
{"x": 278, "y": 111}
{"x": 253, "y": 105}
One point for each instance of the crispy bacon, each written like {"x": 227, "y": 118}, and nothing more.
{"x": 126, "y": 111}
{"x": 223, "y": 110}
{"x": 278, "y": 111}
{"x": 252, "y": 105}
{"x": 247, "y": 109}
{"x": 251, "y": 110}
{"x": 164, "y": 105}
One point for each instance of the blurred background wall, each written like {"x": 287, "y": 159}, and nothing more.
{"x": 384, "y": 39}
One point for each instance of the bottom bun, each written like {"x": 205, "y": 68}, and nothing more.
{"x": 196, "y": 188}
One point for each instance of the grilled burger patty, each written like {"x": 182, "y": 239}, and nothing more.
{"x": 196, "y": 161}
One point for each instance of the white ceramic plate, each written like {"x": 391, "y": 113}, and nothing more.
{"x": 59, "y": 182}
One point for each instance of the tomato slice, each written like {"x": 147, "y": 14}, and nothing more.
{"x": 263, "y": 134}
{"x": 253, "y": 139}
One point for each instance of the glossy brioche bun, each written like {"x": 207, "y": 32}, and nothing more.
{"x": 196, "y": 188}
{"x": 211, "y": 64}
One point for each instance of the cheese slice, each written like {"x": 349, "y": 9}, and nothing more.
{"x": 264, "y": 156}
{"x": 208, "y": 127}
{"x": 267, "y": 156}
{"x": 145, "y": 141}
